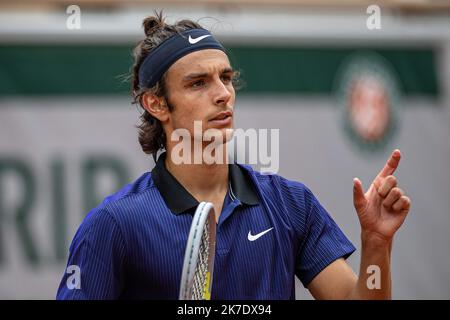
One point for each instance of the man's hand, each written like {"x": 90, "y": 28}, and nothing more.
{"x": 383, "y": 208}
{"x": 381, "y": 211}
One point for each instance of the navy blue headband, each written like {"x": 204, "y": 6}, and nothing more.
{"x": 164, "y": 55}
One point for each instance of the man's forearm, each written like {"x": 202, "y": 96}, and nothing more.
{"x": 374, "y": 281}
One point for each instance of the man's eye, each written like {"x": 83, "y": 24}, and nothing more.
{"x": 226, "y": 78}
{"x": 198, "y": 83}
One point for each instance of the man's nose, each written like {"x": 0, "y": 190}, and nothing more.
{"x": 222, "y": 93}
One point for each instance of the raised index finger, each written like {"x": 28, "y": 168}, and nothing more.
{"x": 391, "y": 164}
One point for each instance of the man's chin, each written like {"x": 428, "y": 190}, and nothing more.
{"x": 218, "y": 136}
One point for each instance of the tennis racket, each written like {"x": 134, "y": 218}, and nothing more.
{"x": 198, "y": 265}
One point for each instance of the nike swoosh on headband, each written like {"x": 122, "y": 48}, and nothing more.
{"x": 158, "y": 61}
{"x": 195, "y": 40}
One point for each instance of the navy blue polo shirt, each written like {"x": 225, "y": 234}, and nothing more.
{"x": 270, "y": 229}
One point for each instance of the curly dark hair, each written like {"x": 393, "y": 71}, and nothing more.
{"x": 151, "y": 134}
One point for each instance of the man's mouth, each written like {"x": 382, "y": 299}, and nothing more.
{"x": 222, "y": 116}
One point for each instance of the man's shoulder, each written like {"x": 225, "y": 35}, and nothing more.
{"x": 290, "y": 199}
{"x": 273, "y": 180}
{"x": 117, "y": 208}
{"x": 127, "y": 198}
{"x": 140, "y": 186}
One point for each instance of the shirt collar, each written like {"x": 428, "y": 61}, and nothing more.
{"x": 179, "y": 200}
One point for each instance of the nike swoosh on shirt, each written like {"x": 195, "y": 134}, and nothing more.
{"x": 195, "y": 40}
{"x": 256, "y": 236}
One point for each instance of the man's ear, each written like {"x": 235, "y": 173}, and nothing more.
{"x": 156, "y": 106}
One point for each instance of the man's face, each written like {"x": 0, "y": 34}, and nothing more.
{"x": 200, "y": 88}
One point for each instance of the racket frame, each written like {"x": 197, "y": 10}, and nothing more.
{"x": 204, "y": 212}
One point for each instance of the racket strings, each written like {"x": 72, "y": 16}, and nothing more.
{"x": 201, "y": 269}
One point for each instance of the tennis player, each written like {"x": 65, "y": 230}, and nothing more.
{"x": 269, "y": 229}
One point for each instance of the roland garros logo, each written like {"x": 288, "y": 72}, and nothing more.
{"x": 368, "y": 96}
